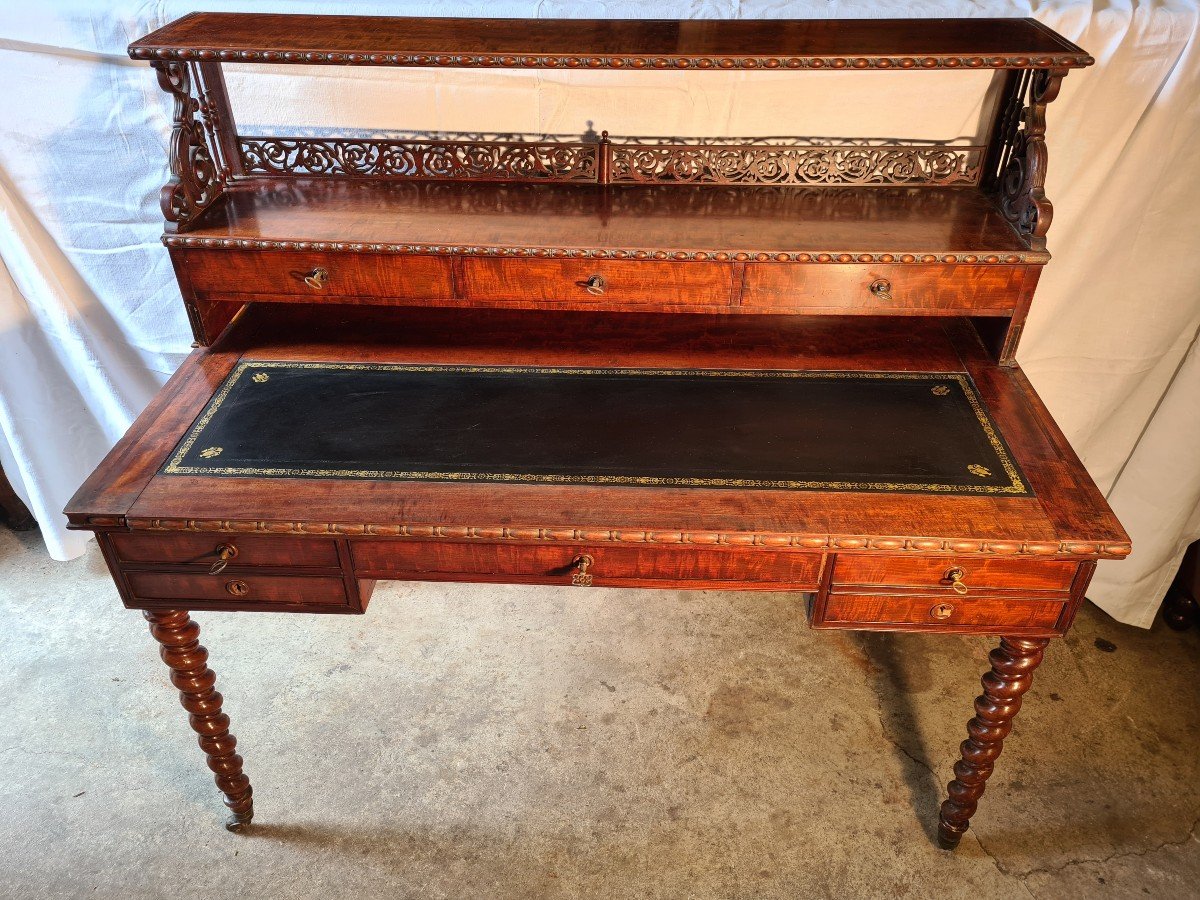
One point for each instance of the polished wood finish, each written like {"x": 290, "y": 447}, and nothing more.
{"x": 663, "y": 284}
{"x": 794, "y": 254}
{"x": 596, "y": 43}
{"x": 804, "y": 224}
{"x": 204, "y": 550}
{"x": 883, "y": 289}
{"x": 179, "y": 637}
{"x": 945, "y": 613}
{"x": 292, "y": 276}
{"x": 609, "y": 567}
{"x": 931, "y": 573}
{"x": 1011, "y": 676}
{"x": 1066, "y": 519}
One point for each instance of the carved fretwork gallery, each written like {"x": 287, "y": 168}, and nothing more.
{"x": 760, "y": 364}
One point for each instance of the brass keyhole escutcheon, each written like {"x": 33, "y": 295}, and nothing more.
{"x": 595, "y": 285}
{"x": 581, "y": 578}
{"x": 317, "y": 278}
{"x": 225, "y": 552}
{"x": 881, "y": 288}
{"x": 942, "y": 611}
{"x": 954, "y": 577}
{"x": 237, "y": 588}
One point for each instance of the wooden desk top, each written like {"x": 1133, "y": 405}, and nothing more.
{"x": 1066, "y": 517}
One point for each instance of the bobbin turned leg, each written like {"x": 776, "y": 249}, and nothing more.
{"x": 179, "y": 636}
{"x": 1013, "y": 663}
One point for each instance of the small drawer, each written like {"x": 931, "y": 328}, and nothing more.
{"x": 598, "y": 282}
{"x": 814, "y": 287}
{"x": 938, "y": 612}
{"x": 612, "y": 566}
{"x": 221, "y": 275}
{"x": 239, "y": 590}
{"x": 935, "y": 573}
{"x": 237, "y": 550}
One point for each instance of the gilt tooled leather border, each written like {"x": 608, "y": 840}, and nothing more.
{"x": 1015, "y": 485}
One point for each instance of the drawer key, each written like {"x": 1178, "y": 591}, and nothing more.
{"x": 954, "y": 577}
{"x": 882, "y": 288}
{"x": 582, "y": 578}
{"x": 317, "y": 278}
{"x": 225, "y": 552}
{"x": 594, "y": 285}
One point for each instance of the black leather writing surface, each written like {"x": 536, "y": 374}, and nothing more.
{"x": 832, "y": 431}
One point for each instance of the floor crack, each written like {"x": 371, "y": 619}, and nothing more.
{"x": 1118, "y": 854}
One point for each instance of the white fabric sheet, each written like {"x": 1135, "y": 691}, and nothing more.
{"x": 91, "y": 323}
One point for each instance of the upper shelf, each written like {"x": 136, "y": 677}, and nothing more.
{"x": 618, "y": 221}
{"x": 613, "y": 43}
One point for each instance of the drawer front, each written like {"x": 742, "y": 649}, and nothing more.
{"x": 939, "y": 612}
{"x": 219, "y": 274}
{"x": 205, "y": 550}
{"x": 931, "y": 573}
{"x": 582, "y": 282}
{"x": 238, "y": 590}
{"x": 881, "y": 289}
{"x": 448, "y": 561}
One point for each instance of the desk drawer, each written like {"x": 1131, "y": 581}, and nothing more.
{"x": 612, "y": 566}
{"x": 938, "y": 612}
{"x": 205, "y": 549}
{"x": 233, "y": 591}
{"x": 598, "y": 282}
{"x": 219, "y": 274}
{"x": 931, "y": 573}
{"x": 880, "y": 289}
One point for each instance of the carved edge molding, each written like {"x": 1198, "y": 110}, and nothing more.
{"x": 774, "y": 540}
{"x": 587, "y": 61}
{"x": 189, "y": 242}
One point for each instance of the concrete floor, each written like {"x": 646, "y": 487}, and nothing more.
{"x": 477, "y": 741}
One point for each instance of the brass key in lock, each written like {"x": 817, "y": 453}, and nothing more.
{"x": 225, "y": 552}
{"x": 954, "y": 577}
{"x": 581, "y": 578}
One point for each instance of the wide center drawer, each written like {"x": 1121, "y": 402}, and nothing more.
{"x": 287, "y": 274}
{"x": 235, "y": 550}
{"x": 938, "y": 574}
{"x": 557, "y": 564}
{"x": 878, "y": 289}
{"x": 596, "y": 282}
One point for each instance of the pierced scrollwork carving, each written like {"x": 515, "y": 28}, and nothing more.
{"x": 196, "y": 180}
{"x": 1020, "y": 179}
{"x": 458, "y": 160}
{"x": 842, "y": 165}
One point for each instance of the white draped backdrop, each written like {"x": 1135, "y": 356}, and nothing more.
{"x": 91, "y": 323}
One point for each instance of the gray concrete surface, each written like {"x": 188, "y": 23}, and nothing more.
{"x": 478, "y": 741}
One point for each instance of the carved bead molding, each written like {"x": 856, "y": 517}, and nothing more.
{"x": 840, "y": 165}
{"x": 774, "y": 540}
{"x": 582, "y": 61}
{"x": 459, "y": 160}
{"x": 188, "y": 242}
{"x": 196, "y": 180}
{"x": 1020, "y": 177}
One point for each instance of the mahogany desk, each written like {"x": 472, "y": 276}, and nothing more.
{"x": 756, "y": 366}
